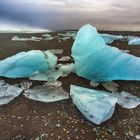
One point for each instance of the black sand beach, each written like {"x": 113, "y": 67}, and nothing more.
{"x": 24, "y": 119}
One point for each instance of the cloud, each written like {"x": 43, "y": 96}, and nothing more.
{"x": 65, "y": 14}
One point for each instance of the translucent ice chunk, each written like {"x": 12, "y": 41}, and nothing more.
{"x": 16, "y": 38}
{"x": 24, "y": 64}
{"x": 50, "y": 75}
{"x": 135, "y": 41}
{"x": 56, "y": 51}
{"x": 126, "y": 100}
{"x": 64, "y": 58}
{"x": 8, "y": 92}
{"x": 45, "y": 94}
{"x": 96, "y": 61}
{"x": 94, "y": 84}
{"x": 67, "y": 68}
{"x": 111, "y": 86}
{"x": 26, "y": 85}
{"x": 108, "y": 38}
{"x": 48, "y": 37}
{"x": 96, "y": 106}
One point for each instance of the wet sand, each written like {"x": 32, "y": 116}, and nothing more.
{"x": 24, "y": 119}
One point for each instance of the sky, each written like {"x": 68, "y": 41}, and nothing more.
{"x": 70, "y": 14}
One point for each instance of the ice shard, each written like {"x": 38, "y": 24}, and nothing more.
{"x": 96, "y": 61}
{"x": 108, "y": 38}
{"x": 134, "y": 41}
{"x": 46, "y": 94}
{"x": 51, "y": 75}
{"x": 25, "y": 64}
{"x": 96, "y": 106}
{"x": 126, "y": 100}
{"x": 8, "y": 92}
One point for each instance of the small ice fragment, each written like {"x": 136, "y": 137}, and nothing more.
{"x": 26, "y": 85}
{"x": 67, "y": 68}
{"x": 108, "y": 38}
{"x": 94, "y": 84}
{"x": 64, "y": 58}
{"x": 126, "y": 100}
{"x": 53, "y": 84}
{"x": 25, "y": 64}
{"x": 125, "y": 51}
{"x": 135, "y": 41}
{"x": 65, "y": 38}
{"x": 138, "y": 137}
{"x": 110, "y": 86}
{"x": 50, "y": 75}
{"x": 48, "y": 37}
{"x": 96, "y": 106}
{"x": 16, "y": 38}
{"x": 8, "y": 92}
{"x": 56, "y": 51}
{"x": 45, "y": 94}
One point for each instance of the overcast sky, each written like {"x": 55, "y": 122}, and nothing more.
{"x": 71, "y": 14}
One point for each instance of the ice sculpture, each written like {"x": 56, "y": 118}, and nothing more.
{"x": 8, "y": 92}
{"x": 96, "y": 106}
{"x": 16, "y": 38}
{"x": 96, "y": 61}
{"x": 108, "y": 38}
{"x": 25, "y": 64}
{"x": 46, "y": 94}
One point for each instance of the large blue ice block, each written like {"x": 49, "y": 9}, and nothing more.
{"x": 24, "y": 64}
{"x": 99, "y": 62}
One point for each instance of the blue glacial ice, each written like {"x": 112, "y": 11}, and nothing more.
{"x": 134, "y": 41}
{"x": 96, "y": 61}
{"x": 25, "y": 64}
{"x": 8, "y": 92}
{"x": 108, "y": 38}
{"x": 96, "y": 106}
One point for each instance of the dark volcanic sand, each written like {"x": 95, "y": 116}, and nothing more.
{"x": 27, "y": 119}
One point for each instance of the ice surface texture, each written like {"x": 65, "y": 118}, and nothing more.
{"x": 24, "y": 64}
{"x": 46, "y": 94}
{"x": 96, "y": 106}
{"x": 8, "y": 92}
{"x": 99, "y": 62}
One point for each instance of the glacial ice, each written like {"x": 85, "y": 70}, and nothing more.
{"x": 64, "y": 58}
{"x": 16, "y": 38}
{"x": 110, "y": 86}
{"x": 56, "y": 51}
{"x": 96, "y": 106}
{"x": 25, "y": 64}
{"x": 108, "y": 38}
{"x": 51, "y": 75}
{"x": 8, "y": 92}
{"x": 48, "y": 37}
{"x": 96, "y": 61}
{"x": 66, "y": 68}
{"x": 135, "y": 41}
{"x": 126, "y": 100}
{"x": 46, "y": 94}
